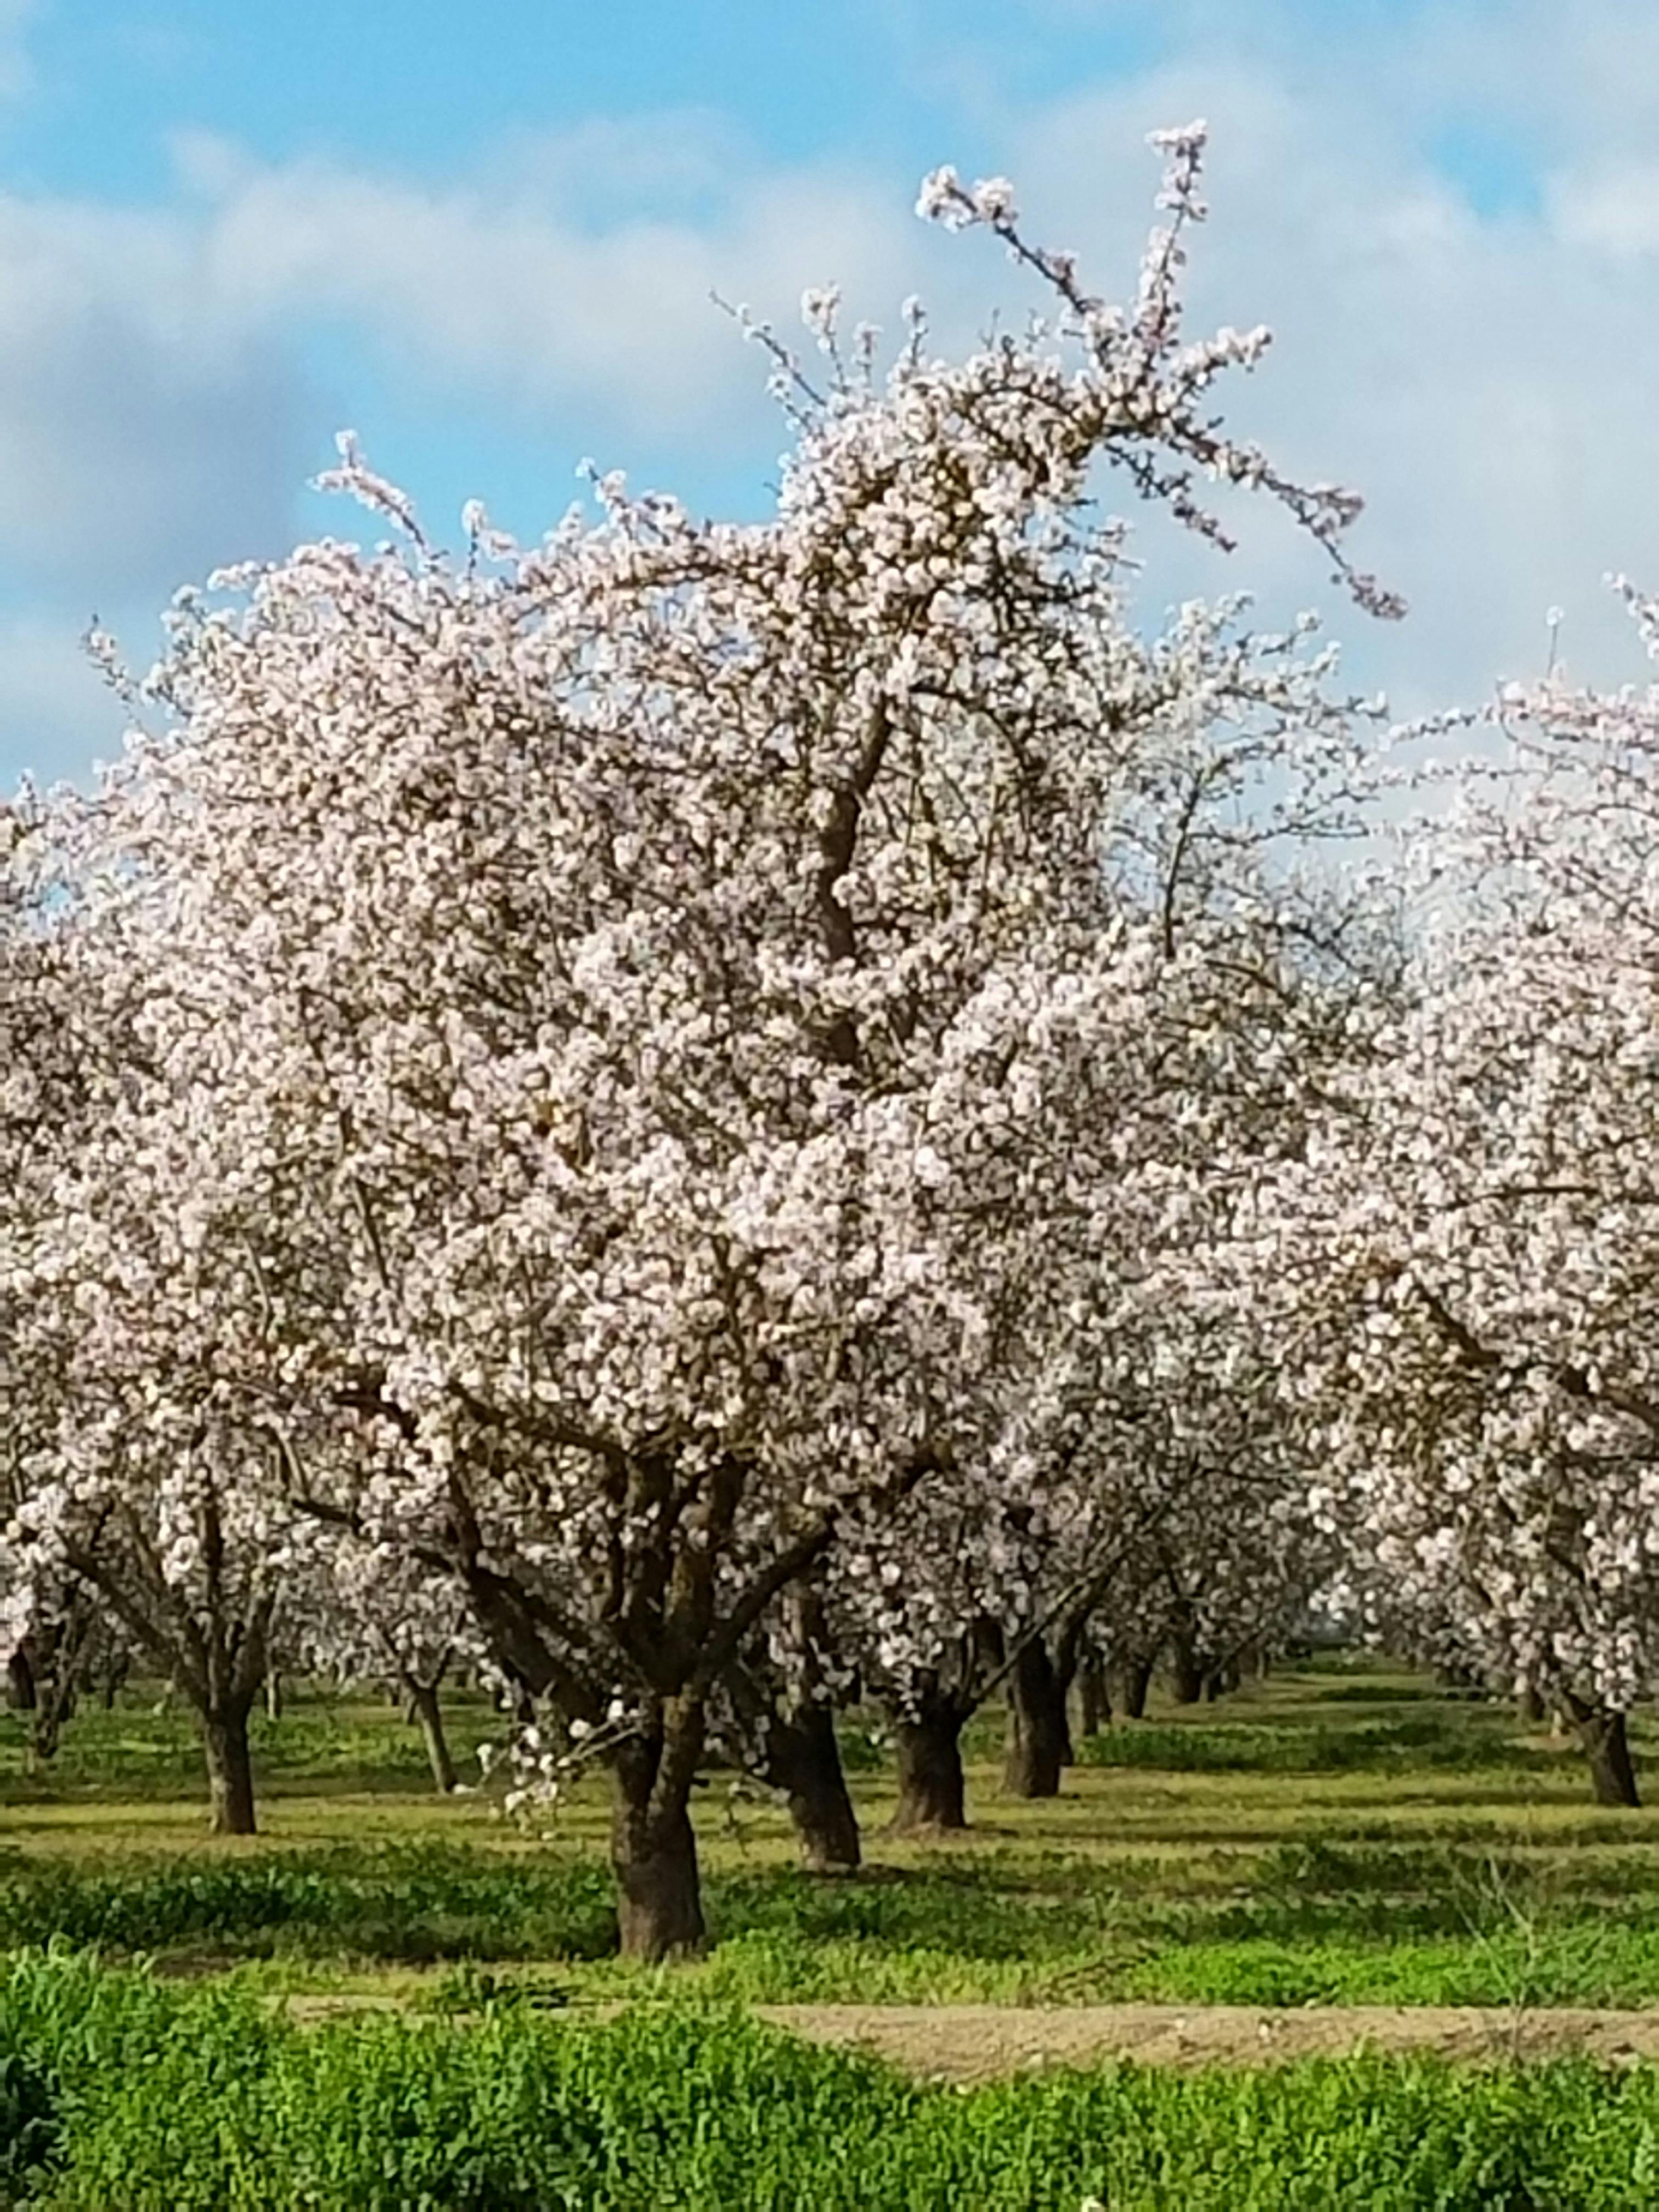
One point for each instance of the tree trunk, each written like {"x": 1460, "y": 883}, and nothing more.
{"x": 932, "y": 1790}
{"x": 273, "y": 1696}
{"x": 1094, "y": 1696}
{"x": 804, "y": 1761}
{"x": 1532, "y": 1707}
{"x": 1186, "y": 1675}
{"x": 230, "y": 1769}
{"x": 45, "y": 1729}
{"x": 1135, "y": 1681}
{"x": 20, "y": 1682}
{"x": 654, "y": 1850}
{"x": 427, "y": 1711}
{"x": 1039, "y": 1741}
{"x": 1607, "y": 1748}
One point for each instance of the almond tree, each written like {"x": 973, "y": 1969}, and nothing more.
{"x": 374, "y": 1612}
{"x": 606, "y": 991}
{"x": 135, "y": 1311}
{"x": 1142, "y": 1467}
{"x": 1471, "y": 1250}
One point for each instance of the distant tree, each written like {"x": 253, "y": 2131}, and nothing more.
{"x": 1467, "y": 1256}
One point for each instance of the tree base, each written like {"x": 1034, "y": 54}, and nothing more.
{"x": 806, "y": 1764}
{"x": 933, "y": 1790}
{"x": 1039, "y": 1740}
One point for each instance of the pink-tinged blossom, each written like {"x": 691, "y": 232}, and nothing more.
{"x": 627, "y": 1061}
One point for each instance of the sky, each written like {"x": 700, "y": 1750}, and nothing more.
{"x": 486, "y": 239}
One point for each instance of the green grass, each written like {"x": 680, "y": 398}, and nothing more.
{"x": 138, "y": 2096}
{"x": 143, "y": 1751}
{"x": 1341, "y": 1832}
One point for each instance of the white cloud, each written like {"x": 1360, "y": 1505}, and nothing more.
{"x": 1484, "y": 382}
{"x": 513, "y": 292}
{"x": 1485, "y": 379}
{"x": 1608, "y": 210}
{"x": 154, "y": 421}
{"x": 144, "y": 433}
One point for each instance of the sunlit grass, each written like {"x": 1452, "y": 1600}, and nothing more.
{"x": 1337, "y": 1833}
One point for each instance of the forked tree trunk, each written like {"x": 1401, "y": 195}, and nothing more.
{"x": 1135, "y": 1681}
{"x": 804, "y": 1761}
{"x": 1039, "y": 1741}
{"x": 229, "y": 1768}
{"x": 654, "y": 1850}
{"x": 429, "y": 1713}
{"x": 1607, "y": 1748}
{"x": 932, "y": 1793}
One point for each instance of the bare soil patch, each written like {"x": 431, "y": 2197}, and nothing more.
{"x": 981, "y": 2042}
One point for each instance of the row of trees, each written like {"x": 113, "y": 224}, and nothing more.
{"x": 752, "y": 1112}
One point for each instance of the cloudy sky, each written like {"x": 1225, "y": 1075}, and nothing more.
{"x": 486, "y": 238}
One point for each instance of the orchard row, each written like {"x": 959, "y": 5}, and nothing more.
{"x": 715, "y": 1119}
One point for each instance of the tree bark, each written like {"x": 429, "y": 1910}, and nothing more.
{"x": 1607, "y": 1748}
{"x": 804, "y": 1761}
{"x": 273, "y": 1696}
{"x": 1135, "y": 1681}
{"x": 1094, "y": 1696}
{"x": 230, "y": 1769}
{"x": 1532, "y": 1707}
{"x": 427, "y": 1711}
{"x": 1186, "y": 1674}
{"x": 654, "y": 1850}
{"x": 20, "y": 1682}
{"x": 932, "y": 1793}
{"x": 1039, "y": 1741}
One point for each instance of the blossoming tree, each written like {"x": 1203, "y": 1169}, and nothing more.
{"x": 621, "y": 997}
{"x": 1473, "y": 1241}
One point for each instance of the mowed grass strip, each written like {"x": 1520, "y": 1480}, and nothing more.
{"x": 1339, "y": 1833}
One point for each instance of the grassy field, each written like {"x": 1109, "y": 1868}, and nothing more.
{"x": 1342, "y": 1833}
{"x": 1338, "y": 1833}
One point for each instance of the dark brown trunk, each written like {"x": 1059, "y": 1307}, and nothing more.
{"x": 46, "y": 1730}
{"x": 230, "y": 1771}
{"x": 1094, "y": 1696}
{"x": 429, "y": 1713}
{"x": 1135, "y": 1681}
{"x": 932, "y": 1793}
{"x": 1186, "y": 1675}
{"x": 653, "y": 1851}
{"x": 20, "y": 1682}
{"x": 1607, "y": 1748}
{"x": 804, "y": 1761}
{"x": 1039, "y": 1741}
{"x": 1532, "y": 1707}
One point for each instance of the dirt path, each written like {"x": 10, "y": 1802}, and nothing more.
{"x": 983, "y": 2043}
{"x": 977, "y": 2043}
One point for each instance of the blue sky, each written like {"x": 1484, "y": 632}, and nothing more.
{"x": 485, "y": 239}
